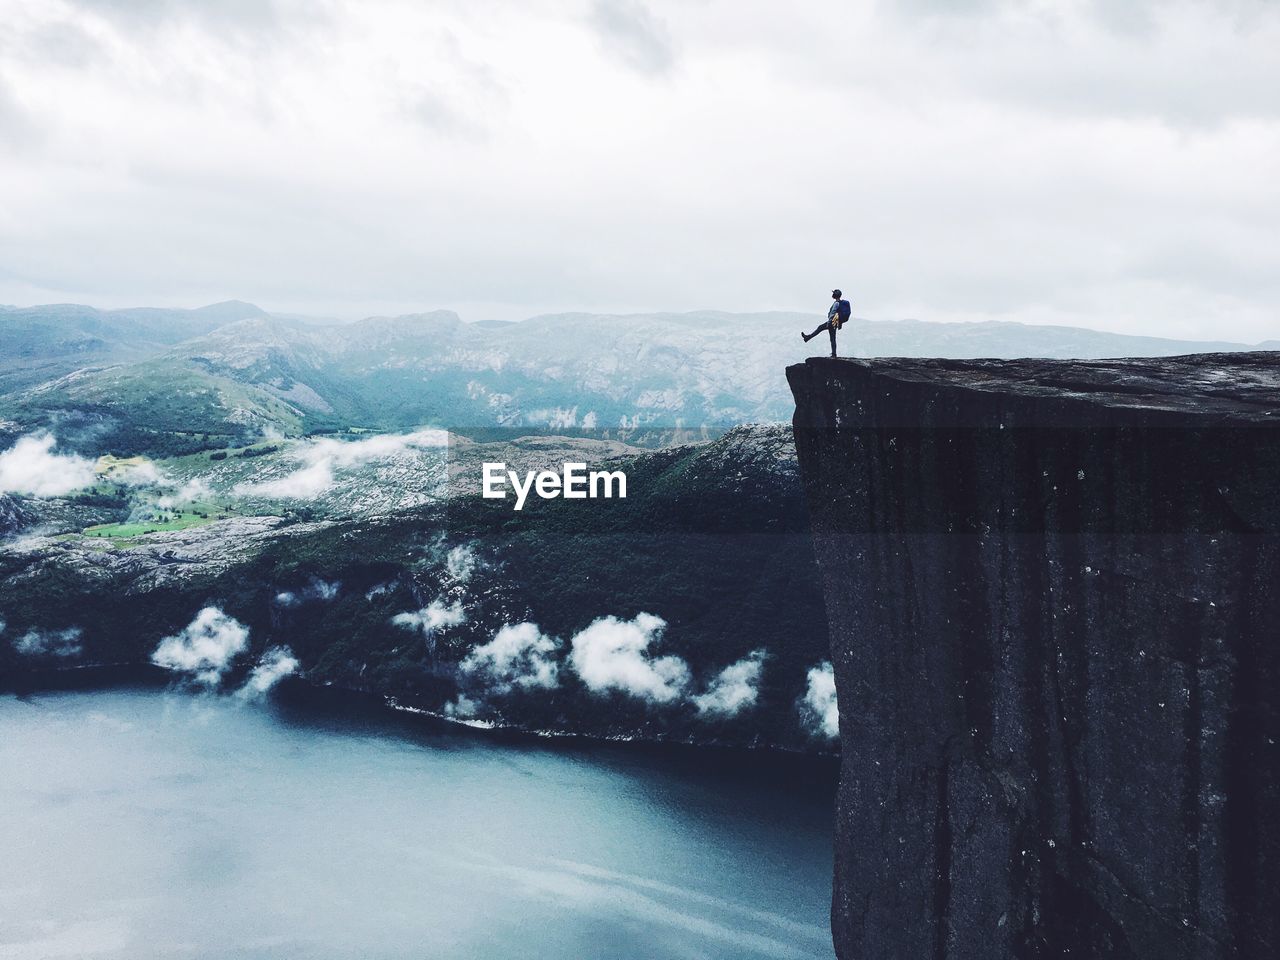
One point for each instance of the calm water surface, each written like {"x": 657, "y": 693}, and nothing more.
{"x": 140, "y": 823}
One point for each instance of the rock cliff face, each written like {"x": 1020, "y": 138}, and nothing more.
{"x": 1053, "y": 589}
{"x": 12, "y": 517}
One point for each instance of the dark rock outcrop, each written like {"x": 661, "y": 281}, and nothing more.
{"x": 12, "y": 517}
{"x": 1053, "y": 589}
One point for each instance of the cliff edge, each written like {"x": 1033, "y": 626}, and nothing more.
{"x": 1053, "y": 590}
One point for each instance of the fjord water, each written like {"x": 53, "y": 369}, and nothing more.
{"x": 139, "y": 823}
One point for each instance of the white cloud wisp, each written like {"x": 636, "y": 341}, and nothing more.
{"x": 204, "y": 648}
{"x": 31, "y": 467}
{"x": 819, "y": 712}
{"x": 520, "y": 656}
{"x": 734, "y": 689}
{"x": 274, "y": 665}
{"x": 613, "y": 655}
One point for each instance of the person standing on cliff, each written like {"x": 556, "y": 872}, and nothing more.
{"x": 837, "y": 317}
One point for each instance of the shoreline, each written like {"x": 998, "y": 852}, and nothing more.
{"x": 334, "y": 702}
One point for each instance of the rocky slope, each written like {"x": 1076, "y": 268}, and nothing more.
{"x": 1051, "y": 591}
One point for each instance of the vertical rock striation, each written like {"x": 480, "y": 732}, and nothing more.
{"x": 1053, "y": 589}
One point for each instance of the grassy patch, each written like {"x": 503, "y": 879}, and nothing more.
{"x": 198, "y": 514}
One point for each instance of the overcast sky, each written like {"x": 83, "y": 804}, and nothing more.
{"x": 1095, "y": 162}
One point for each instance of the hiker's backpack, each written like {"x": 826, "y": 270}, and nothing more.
{"x": 842, "y": 313}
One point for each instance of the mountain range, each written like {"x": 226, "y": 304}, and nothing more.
{"x": 167, "y": 382}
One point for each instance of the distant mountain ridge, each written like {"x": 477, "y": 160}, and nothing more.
{"x": 37, "y": 343}
{"x": 160, "y": 380}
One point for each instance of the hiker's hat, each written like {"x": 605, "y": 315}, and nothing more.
{"x": 836, "y": 292}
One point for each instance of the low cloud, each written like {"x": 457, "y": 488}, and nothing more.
{"x": 734, "y": 689}
{"x": 463, "y": 708}
{"x": 519, "y": 656}
{"x": 48, "y": 643}
{"x": 205, "y": 647}
{"x": 613, "y": 654}
{"x": 557, "y": 418}
{"x": 194, "y": 489}
{"x": 818, "y": 709}
{"x": 274, "y": 665}
{"x": 431, "y": 619}
{"x": 144, "y": 473}
{"x": 439, "y": 615}
{"x": 31, "y": 467}
{"x": 317, "y": 589}
{"x": 322, "y": 459}
{"x": 324, "y": 589}
{"x": 306, "y": 483}
{"x": 461, "y": 563}
{"x": 349, "y": 453}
